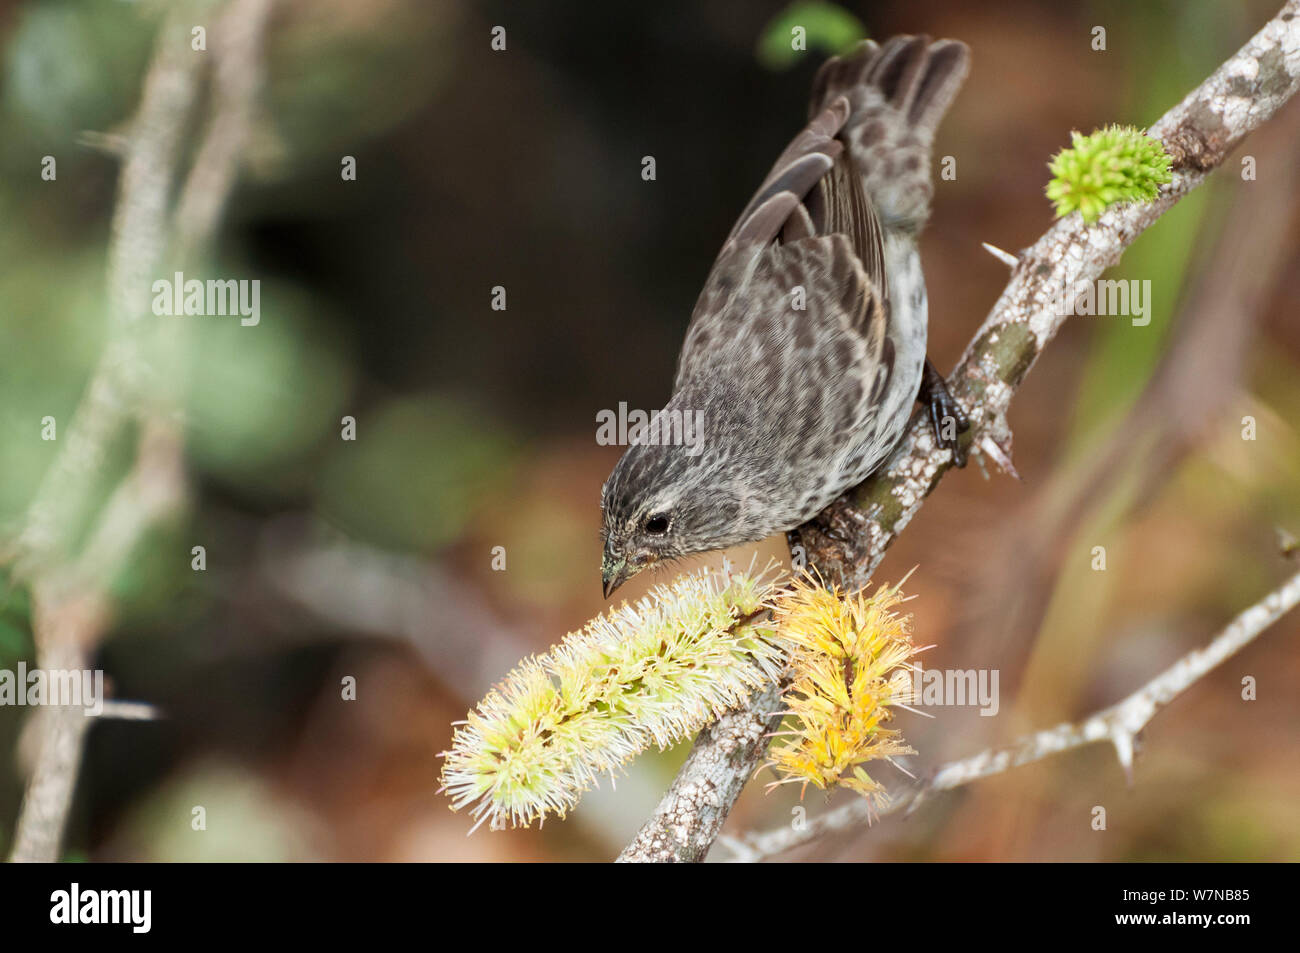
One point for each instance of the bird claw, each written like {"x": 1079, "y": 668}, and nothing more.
{"x": 943, "y": 408}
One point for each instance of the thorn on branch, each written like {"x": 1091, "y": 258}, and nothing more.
{"x": 743, "y": 852}
{"x": 999, "y": 454}
{"x": 1124, "y": 744}
{"x": 113, "y": 144}
{"x": 1005, "y": 257}
{"x": 131, "y": 711}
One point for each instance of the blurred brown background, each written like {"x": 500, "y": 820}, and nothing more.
{"x": 476, "y": 428}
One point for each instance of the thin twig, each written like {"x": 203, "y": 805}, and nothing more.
{"x": 139, "y": 236}
{"x": 237, "y": 82}
{"x": 130, "y": 711}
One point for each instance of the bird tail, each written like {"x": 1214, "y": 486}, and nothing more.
{"x": 898, "y": 93}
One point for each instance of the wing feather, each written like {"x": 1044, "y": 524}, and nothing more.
{"x": 749, "y": 314}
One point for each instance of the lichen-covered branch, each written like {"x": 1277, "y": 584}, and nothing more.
{"x": 139, "y": 237}
{"x": 847, "y": 541}
{"x": 1120, "y": 724}
{"x": 693, "y": 811}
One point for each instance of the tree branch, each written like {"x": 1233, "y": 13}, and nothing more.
{"x": 846, "y": 542}
{"x": 690, "y": 815}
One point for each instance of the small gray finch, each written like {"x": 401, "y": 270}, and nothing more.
{"x": 807, "y": 347}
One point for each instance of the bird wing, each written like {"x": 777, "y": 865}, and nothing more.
{"x": 809, "y": 226}
{"x": 812, "y": 189}
{"x": 814, "y": 361}
{"x": 861, "y": 164}
{"x": 808, "y": 157}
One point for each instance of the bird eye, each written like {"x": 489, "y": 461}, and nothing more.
{"x": 657, "y": 524}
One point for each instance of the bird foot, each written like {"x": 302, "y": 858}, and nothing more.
{"x": 946, "y": 415}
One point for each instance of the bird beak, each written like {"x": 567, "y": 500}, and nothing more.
{"x": 613, "y": 573}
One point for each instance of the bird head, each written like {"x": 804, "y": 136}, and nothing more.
{"x": 661, "y": 504}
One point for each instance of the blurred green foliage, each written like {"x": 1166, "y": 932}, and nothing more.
{"x": 73, "y": 65}
{"x": 418, "y": 473}
{"x": 49, "y": 342}
{"x": 260, "y": 397}
{"x": 15, "y": 623}
{"x": 829, "y": 30}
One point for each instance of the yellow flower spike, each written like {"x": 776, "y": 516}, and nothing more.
{"x": 851, "y": 663}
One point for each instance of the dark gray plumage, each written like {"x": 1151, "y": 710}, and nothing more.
{"x": 801, "y": 404}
